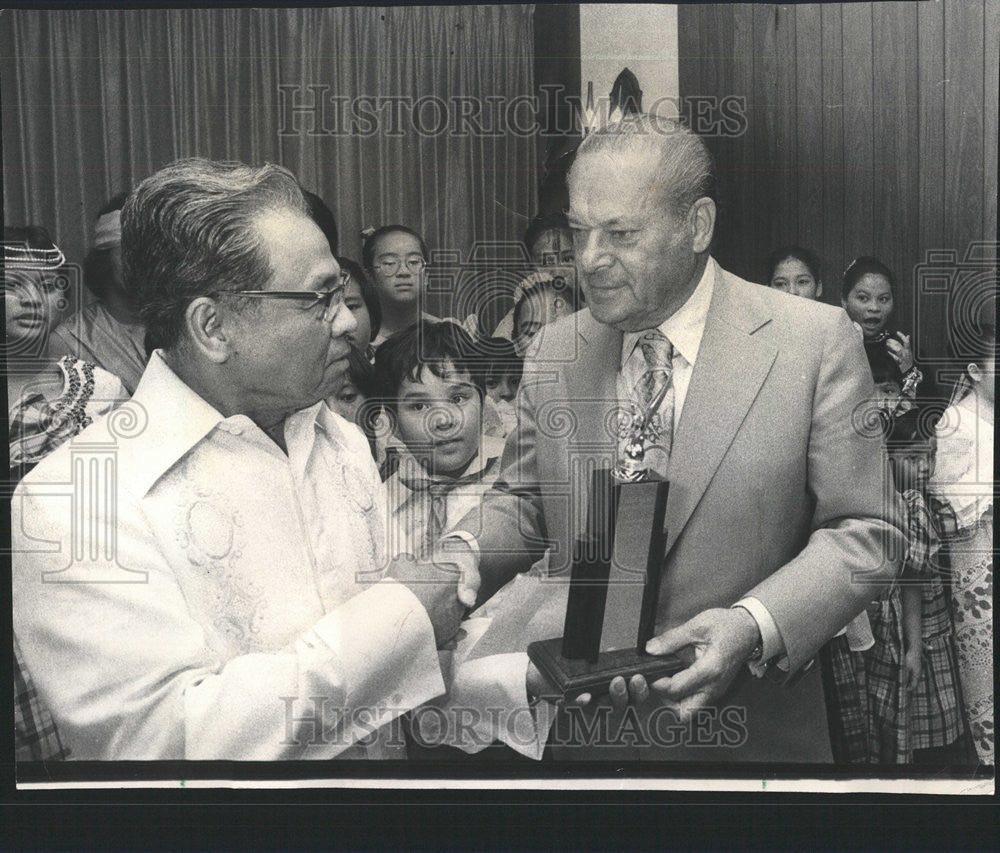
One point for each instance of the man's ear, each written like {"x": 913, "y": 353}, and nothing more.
{"x": 701, "y": 219}
{"x": 206, "y": 329}
{"x": 974, "y": 371}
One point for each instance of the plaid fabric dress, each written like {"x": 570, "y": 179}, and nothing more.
{"x": 931, "y": 715}
{"x": 35, "y": 735}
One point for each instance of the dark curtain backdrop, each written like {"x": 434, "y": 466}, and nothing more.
{"x": 871, "y": 129}
{"x": 93, "y": 101}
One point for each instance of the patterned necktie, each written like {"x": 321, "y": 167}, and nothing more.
{"x": 655, "y": 380}
{"x": 658, "y": 354}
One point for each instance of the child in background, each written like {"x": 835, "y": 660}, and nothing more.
{"x": 541, "y": 303}
{"x": 396, "y": 259}
{"x": 503, "y": 377}
{"x": 362, "y": 301}
{"x": 549, "y": 243}
{"x": 912, "y": 668}
{"x": 794, "y": 270}
{"x": 351, "y": 401}
{"x": 963, "y": 482}
{"x": 430, "y": 381}
{"x": 867, "y": 295}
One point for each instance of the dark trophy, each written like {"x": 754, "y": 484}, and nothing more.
{"x": 614, "y": 586}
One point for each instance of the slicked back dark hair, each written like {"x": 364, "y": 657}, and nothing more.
{"x": 436, "y": 345}
{"x": 190, "y": 230}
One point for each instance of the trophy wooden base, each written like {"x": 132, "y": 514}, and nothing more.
{"x": 570, "y": 678}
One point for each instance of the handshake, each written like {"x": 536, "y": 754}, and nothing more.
{"x": 446, "y": 584}
{"x": 715, "y": 644}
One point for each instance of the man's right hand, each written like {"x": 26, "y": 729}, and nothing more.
{"x": 437, "y": 591}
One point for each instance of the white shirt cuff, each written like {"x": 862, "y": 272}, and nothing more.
{"x": 466, "y": 537}
{"x": 387, "y": 665}
{"x": 771, "y": 640}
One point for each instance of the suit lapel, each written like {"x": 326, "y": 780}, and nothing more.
{"x": 731, "y": 366}
{"x": 591, "y": 381}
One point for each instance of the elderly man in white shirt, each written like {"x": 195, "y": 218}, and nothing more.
{"x": 202, "y": 574}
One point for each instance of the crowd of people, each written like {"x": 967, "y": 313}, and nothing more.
{"x": 337, "y": 494}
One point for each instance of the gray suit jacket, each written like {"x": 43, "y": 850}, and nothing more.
{"x": 778, "y": 489}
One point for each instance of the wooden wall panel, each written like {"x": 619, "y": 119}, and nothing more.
{"x": 930, "y": 337}
{"x": 834, "y": 253}
{"x": 808, "y": 118}
{"x": 871, "y": 129}
{"x": 895, "y": 180}
{"x": 859, "y": 130}
{"x": 991, "y": 132}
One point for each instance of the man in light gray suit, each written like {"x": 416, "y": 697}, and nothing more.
{"x": 781, "y": 520}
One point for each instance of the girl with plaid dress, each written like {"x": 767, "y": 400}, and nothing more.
{"x": 912, "y": 670}
{"x": 964, "y": 484}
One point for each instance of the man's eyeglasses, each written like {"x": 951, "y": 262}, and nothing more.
{"x": 331, "y": 300}
{"x": 389, "y": 264}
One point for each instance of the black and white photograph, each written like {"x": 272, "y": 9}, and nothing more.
{"x": 550, "y": 395}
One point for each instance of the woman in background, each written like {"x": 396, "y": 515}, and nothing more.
{"x": 49, "y": 400}
{"x": 108, "y": 332}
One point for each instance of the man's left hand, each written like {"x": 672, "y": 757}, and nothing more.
{"x": 454, "y": 556}
{"x": 721, "y": 641}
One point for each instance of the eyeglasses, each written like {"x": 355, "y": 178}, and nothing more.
{"x": 331, "y": 300}
{"x": 389, "y": 264}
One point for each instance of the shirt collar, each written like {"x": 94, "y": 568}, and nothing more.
{"x": 174, "y": 419}
{"x": 686, "y": 326}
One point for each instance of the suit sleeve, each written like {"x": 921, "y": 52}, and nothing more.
{"x": 857, "y": 538}
{"x": 509, "y": 525}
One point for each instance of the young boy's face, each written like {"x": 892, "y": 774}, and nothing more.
{"x": 913, "y": 466}
{"x": 502, "y": 386}
{"x": 439, "y": 419}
